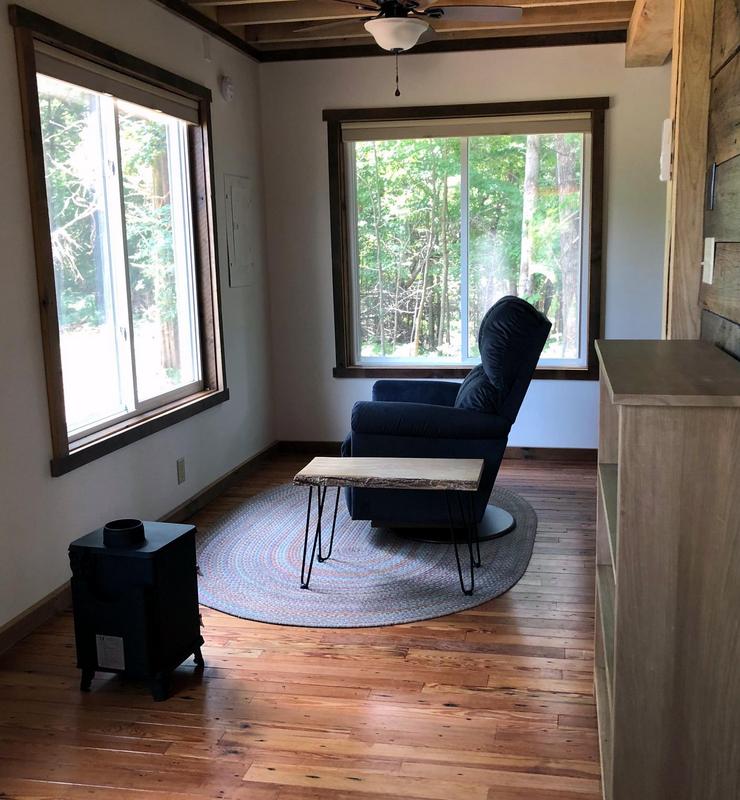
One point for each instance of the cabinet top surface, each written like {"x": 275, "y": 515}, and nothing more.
{"x": 673, "y": 372}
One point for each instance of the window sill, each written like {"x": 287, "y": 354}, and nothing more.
{"x": 541, "y": 373}
{"x": 132, "y": 430}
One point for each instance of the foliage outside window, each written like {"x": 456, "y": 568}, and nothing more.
{"x": 119, "y": 212}
{"x": 124, "y": 240}
{"x": 446, "y": 215}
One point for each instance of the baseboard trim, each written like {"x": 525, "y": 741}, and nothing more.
{"x": 220, "y": 485}
{"x": 61, "y": 598}
{"x": 580, "y": 454}
{"x": 27, "y": 621}
{"x": 309, "y": 448}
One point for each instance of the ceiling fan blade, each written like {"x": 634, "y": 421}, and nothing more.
{"x": 429, "y": 35}
{"x": 473, "y": 13}
{"x": 326, "y": 26}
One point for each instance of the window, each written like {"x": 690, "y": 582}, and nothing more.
{"x": 124, "y": 239}
{"x": 437, "y": 216}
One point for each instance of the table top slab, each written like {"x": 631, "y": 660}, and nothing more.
{"x": 455, "y": 474}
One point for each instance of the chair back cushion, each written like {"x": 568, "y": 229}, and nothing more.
{"x": 510, "y": 341}
{"x": 477, "y": 393}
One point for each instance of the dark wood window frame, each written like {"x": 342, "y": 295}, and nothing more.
{"x": 341, "y": 265}
{"x": 29, "y": 28}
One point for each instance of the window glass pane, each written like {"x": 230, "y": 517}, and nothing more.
{"x": 159, "y": 242}
{"x": 525, "y": 230}
{"x": 77, "y": 170}
{"x": 408, "y": 221}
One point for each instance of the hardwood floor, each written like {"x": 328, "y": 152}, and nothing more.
{"x": 495, "y": 703}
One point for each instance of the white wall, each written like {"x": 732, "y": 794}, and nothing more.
{"x": 294, "y": 350}
{"x": 312, "y": 405}
{"x": 40, "y": 515}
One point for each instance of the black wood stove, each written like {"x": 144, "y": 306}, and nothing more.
{"x": 135, "y": 596}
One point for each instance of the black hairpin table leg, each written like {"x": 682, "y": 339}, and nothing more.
{"x": 326, "y": 557}
{"x": 306, "y": 578}
{"x": 467, "y": 515}
{"x": 468, "y": 521}
{"x": 316, "y": 548}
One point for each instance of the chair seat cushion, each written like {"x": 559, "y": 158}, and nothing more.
{"x": 477, "y": 393}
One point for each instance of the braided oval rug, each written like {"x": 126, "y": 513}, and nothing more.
{"x": 250, "y": 564}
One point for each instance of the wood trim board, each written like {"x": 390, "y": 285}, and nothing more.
{"x": 574, "y": 454}
{"x": 32, "y": 618}
{"x": 340, "y": 245}
{"x": 726, "y": 39}
{"x": 61, "y": 598}
{"x": 720, "y": 299}
{"x": 561, "y": 39}
{"x": 66, "y": 456}
{"x": 198, "y": 501}
{"x": 723, "y": 333}
{"x": 58, "y": 35}
{"x": 692, "y": 39}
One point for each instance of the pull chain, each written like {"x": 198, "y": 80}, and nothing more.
{"x": 398, "y": 91}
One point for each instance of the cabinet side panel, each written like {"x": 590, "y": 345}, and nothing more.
{"x": 708, "y": 607}
{"x": 677, "y": 686}
{"x": 608, "y": 425}
{"x": 647, "y": 569}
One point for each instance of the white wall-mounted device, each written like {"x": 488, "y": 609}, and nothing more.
{"x": 707, "y": 275}
{"x": 226, "y": 87}
{"x": 666, "y": 150}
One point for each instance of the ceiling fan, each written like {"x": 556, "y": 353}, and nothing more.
{"x": 397, "y": 25}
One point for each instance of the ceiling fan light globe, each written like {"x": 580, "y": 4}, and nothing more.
{"x": 396, "y": 34}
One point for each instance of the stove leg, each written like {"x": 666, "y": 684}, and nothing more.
{"x": 160, "y": 686}
{"x": 86, "y": 679}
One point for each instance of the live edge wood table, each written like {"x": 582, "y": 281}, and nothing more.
{"x": 458, "y": 478}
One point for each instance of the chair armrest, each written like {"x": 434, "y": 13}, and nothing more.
{"x": 426, "y": 421}
{"x": 438, "y": 393}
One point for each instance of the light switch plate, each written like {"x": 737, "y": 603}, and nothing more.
{"x": 708, "y": 263}
{"x": 180, "y": 470}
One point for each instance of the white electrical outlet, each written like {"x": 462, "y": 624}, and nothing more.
{"x": 708, "y": 263}
{"x": 180, "y": 470}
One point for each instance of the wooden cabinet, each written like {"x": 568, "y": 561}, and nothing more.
{"x": 667, "y": 671}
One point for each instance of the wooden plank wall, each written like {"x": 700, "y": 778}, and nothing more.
{"x": 720, "y": 300}
{"x": 689, "y": 109}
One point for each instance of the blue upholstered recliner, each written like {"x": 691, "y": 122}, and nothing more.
{"x": 444, "y": 419}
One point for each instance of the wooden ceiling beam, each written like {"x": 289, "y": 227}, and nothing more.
{"x": 353, "y": 30}
{"x": 294, "y": 11}
{"x": 360, "y": 37}
{"x": 650, "y": 33}
{"x": 523, "y": 3}
{"x": 252, "y": 13}
{"x": 200, "y": 4}
{"x": 319, "y": 10}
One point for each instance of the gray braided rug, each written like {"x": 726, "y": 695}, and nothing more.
{"x": 250, "y": 562}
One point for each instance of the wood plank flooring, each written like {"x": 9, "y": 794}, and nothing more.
{"x": 495, "y": 703}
